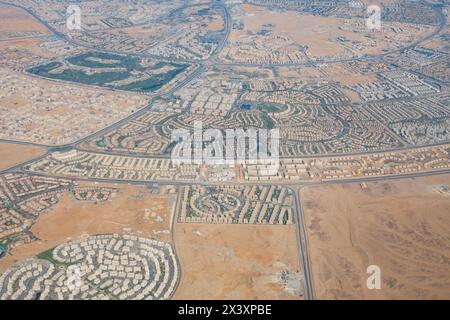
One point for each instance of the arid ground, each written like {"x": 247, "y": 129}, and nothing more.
{"x": 131, "y": 210}
{"x": 236, "y": 261}
{"x": 13, "y": 154}
{"x": 402, "y": 226}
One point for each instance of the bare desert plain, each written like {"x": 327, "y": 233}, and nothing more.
{"x": 13, "y": 154}
{"x": 402, "y": 226}
{"x": 237, "y": 262}
{"x": 14, "y": 20}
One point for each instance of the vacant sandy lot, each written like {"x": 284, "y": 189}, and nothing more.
{"x": 235, "y": 261}
{"x": 303, "y": 72}
{"x": 216, "y": 24}
{"x": 320, "y": 37}
{"x": 318, "y": 33}
{"x": 403, "y": 226}
{"x": 13, "y": 154}
{"x": 339, "y": 73}
{"x": 131, "y": 210}
{"x": 14, "y": 20}
{"x": 23, "y": 47}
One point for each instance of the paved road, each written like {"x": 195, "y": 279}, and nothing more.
{"x": 172, "y": 233}
{"x": 227, "y": 28}
{"x": 303, "y": 248}
{"x": 250, "y": 183}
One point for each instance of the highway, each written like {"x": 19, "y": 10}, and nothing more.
{"x": 302, "y": 245}
{"x": 173, "y": 224}
{"x": 227, "y": 29}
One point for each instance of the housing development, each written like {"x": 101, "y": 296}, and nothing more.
{"x": 224, "y": 149}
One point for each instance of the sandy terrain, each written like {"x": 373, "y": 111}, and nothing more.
{"x": 20, "y": 38}
{"x": 13, "y": 154}
{"x": 437, "y": 43}
{"x": 216, "y": 24}
{"x": 321, "y": 37}
{"x": 225, "y": 72}
{"x": 52, "y": 113}
{"x": 140, "y": 32}
{"x": 333, "y": 72}
{"x": 336, "y": 72}
{"x": 318, "y": 33}
{"x": 315, "y": 32}
{"x": 402, "y": 226}
{"x": 235, "y": 261}
{"x": 132, "y": 210}
{"x": 303, "y": 72}
{"x": 340, "y": 74}
{"x": 31, "y": 46}
{"x": 16, "y": 20}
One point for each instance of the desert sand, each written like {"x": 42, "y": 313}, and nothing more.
{"x": 17, "y": 20}
{"x": 317, "y": 33}
{"x": 13, "y": 154}
{"x": 402, "y": 226}
{"x": 235, "y": 261}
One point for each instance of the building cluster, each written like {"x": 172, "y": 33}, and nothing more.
{"x": 314, "y": 7}
{"x": 383, "y": 164}
{"x": 116, "y": 40}
{"x": 237, "y": 204}
{"x": 267, "y": 47}
{"x": 324, "y": 124}
{"x": 23, "y": 198}
{"x": 209, "y": 102}
{"x": 274, "y": 84}
{"x": 93, "y": 194}
{"x": 188, "y": 44}
{"x": 100, "y": 14}
{"x": 151, "y": 133}
{"x": 411, "y": 12}
{"x": 392, "y": 34}
{"x": 379, "y": 90}
{"x": 140, "y": 135}
{"x": 395, "y": 85}
{"x": 159, "y": 29}
{"x": 433, "y": 63}
{"x": 367, "y": 67}
{"x": 419, "y": 121}
{"x": 410, "y": 82}
{"x": 97, "y": 267}
{"x": 263, "y": 49}
{"x": 394, "y": 11}
{"x": 115, "y": 167}
{"x": 59, "y": 48}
